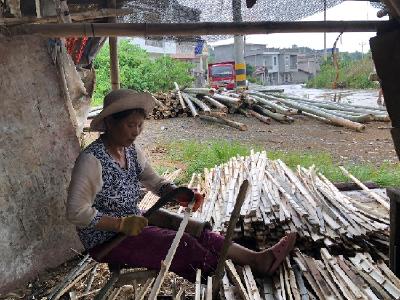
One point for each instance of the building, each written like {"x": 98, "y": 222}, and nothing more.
{"x": 274, "y": 66}
{"x": 182, "y": 49}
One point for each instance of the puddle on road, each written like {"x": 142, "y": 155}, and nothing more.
{"x": 357, "y": 97}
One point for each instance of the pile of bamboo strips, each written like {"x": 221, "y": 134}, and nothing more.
{"x": 304, "y": 201}
{"x": 340, "y": 253}
{"x": 304, "y": 277}
{"x": 300, "y": 276}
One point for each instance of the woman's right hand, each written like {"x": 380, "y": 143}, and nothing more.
{"x": 132, "y": 225}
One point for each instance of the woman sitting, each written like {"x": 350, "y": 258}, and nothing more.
{"x": 105, "y": 190}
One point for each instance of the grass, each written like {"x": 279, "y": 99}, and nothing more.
{"x": 199, "y": 155}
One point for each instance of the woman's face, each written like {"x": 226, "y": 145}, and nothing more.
{"x": 125, "y": 131}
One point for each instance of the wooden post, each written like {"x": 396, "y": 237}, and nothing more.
{"x": 219, "y": 272}
{"x": 394, "y": 249}
{"x": 113, "y": 42}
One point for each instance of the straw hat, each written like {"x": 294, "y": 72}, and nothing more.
{"x": 120, "y": 100}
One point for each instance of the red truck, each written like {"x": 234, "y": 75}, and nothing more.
{"x": 222, "y": 75}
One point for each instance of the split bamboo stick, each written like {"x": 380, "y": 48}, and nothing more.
{"x": 171, "y": 253}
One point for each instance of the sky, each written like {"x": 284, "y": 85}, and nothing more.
{"x": 346, "y": 11}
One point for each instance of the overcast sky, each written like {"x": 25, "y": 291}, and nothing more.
{"x": 348, "y": 10}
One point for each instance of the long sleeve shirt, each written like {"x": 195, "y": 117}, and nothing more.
{"x": 99, "y": 186}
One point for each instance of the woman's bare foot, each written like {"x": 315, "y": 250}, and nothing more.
{"x": 263, "y": 262}
{"x": 267, "y": 261}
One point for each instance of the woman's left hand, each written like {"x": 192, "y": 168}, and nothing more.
{"x": 198, "y": 200}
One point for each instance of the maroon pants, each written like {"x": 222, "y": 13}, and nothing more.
{"x": 150, "y": 247}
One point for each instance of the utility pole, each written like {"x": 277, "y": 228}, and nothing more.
{"x": 325, "y": 54}
{"x": 362, "y": 44}
{"x": 240, "y": 64}
{"x": 113, "y": 42}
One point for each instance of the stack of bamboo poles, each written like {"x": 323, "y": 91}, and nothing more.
{"x": 214, "y": 106}
{"x": 304, "y": 201}
{"x": 339, "y": 114}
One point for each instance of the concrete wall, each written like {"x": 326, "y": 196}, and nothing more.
{"x": 38, "y": 149}
{"x": 166, "y": 46}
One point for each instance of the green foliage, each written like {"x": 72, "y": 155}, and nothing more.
{"x": 249, "y": 70}
{"x": 138, "y": 71}
{"x": 385, "y": 175}
{"x": 200, "y": 155}
{"x": 353, "y": 72}
{"x": 254, "y": 80}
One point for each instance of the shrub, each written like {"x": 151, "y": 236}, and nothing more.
{"x": 138, "y": 71}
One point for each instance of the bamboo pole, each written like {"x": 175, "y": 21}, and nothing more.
{"x": 216, "y": 104}
{"x": 276, "y": 116}
{"x": 230, "y": 101}
{"x": 113, "y": 42}
{"x": 224, "y": 121}
{"x": 339, "y": 121}
{"x": 332, "y": 105}
{"x": 200, "y": 104}
{"x": 262, "y": 118}
{"x": 359, "y": 119}
{"x": 372, "y": 194}
{"x": 190, "y": 104}
{"x": 278, "y": 108}
{"x": 179, "y": 94}
{"x": 200, "y": 91}
{"x": 192, "y": 29}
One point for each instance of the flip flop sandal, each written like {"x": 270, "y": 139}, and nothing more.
{"x": 281, "y": 249}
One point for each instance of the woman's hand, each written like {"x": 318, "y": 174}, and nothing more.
{"x": 132, "y": 225}
{"x": 183, "y": 200}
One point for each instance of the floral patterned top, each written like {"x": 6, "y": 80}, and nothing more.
{"x": 115, "y": 192}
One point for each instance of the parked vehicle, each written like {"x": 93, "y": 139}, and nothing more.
{"x": 222, "y": 75}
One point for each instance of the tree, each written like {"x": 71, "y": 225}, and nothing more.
{"x": 139, "y": 72}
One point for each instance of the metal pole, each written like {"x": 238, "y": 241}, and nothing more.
{"x": 325, "y": 54}
{"x": 113, "y": 42}
{"x": 240, "y": 64}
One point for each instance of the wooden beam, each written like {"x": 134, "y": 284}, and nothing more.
{"x": 192, "y": 29}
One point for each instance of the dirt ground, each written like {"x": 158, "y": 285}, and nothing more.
{"x": 374, "y": 145}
